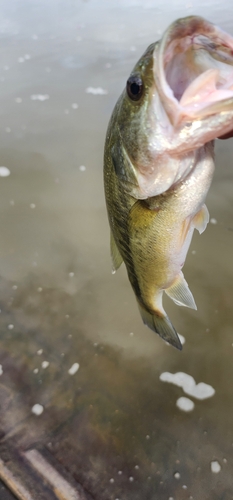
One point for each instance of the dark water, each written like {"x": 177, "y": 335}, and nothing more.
{"x": 111, "y": 430}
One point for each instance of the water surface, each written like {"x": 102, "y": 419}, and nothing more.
{"x": 112, "y": 430}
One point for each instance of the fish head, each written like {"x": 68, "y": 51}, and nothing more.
{"x": 178, "y": 97}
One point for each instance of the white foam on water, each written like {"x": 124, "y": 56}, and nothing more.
{"x": 96, "y": 91}
{"x": 37, "y": 409}
{"x": 181, "y": 379}
{"x": 73, "y": 369}
{"x": 45, "y": 364}
{"x": 199, "y": 391}
{"x": 185, "y": 404}
{"x": 215, "y": 466}
{"x": 1, "y": 370}
{"x": 4, "y": 172}
{"x": 39, "y": 97}
{"x": 182, "y": 338}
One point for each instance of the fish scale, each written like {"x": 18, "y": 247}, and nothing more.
{"x": 159, "y": 161}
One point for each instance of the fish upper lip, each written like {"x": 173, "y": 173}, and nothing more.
{"x": 180, "y": 97}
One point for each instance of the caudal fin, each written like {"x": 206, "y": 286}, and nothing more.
{"x": 161, "y": 325}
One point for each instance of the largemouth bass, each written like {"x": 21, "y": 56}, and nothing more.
{"x": 159, "y": 160}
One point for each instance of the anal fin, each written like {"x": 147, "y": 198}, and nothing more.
{"x": 179, "y": 292}
{"x": 115, "y": 254}
{"x": 201, "y": 219}
{"x": 161, "y": 325}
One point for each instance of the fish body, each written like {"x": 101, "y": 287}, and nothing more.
{"x": 159, "y": 160}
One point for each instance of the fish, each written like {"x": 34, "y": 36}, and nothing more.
{"x": 159, "y": 161}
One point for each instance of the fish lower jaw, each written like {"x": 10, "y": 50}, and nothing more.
{"x": 193, "y": 71}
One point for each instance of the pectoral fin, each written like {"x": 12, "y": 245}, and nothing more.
{"x": 115, "y": 254}
{"x": 201, "y": 219}
{"x": 123, "y": 165}
{"x": 179, "y": 292}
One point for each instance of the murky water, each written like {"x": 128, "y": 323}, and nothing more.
{"x": 114, "y": 429}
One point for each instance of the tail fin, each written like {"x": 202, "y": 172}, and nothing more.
{"x": 161, "y": 325}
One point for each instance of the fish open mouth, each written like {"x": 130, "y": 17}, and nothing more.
{"x": 195, "y": 77}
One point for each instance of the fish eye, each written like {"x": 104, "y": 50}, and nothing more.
{"x": 134, "y": 87}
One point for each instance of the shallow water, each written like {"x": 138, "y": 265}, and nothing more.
{"x": 114, "y": 429}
